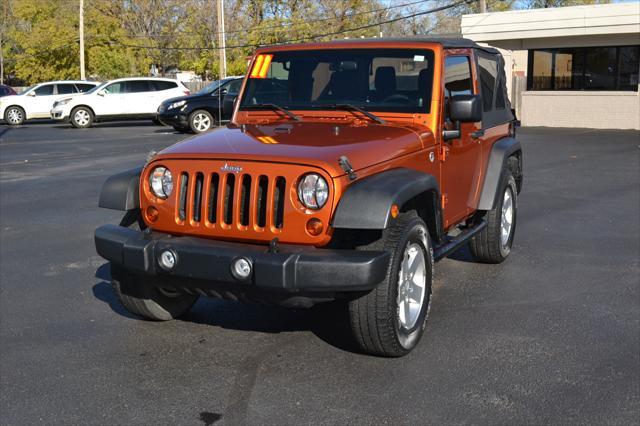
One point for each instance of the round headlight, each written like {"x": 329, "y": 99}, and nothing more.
{"x": 161, "y": 182}
{"x": 313, "y": 191}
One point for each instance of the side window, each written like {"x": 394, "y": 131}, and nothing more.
{"x": 65, "y": 89}
{"x": 163, "y": 85}
{"x": 138, "y": 86}
{"x": 234, "y": 86}
{"x": 457, "y": 76}
{"x": 115, "y": 88}
{"x": 488, "y": 73}
{"x": 84, "y": 87}
{"x": 45, "y": 90}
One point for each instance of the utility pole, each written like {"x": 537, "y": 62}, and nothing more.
{"x": 221, "y": 40}
{"x": 81, "y": 39}
{"x": 483, "y": 6}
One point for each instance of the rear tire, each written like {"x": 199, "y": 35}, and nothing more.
{"x": 140, "y": 297}
{"x": 14, "y": 116}
{"x": 390, "y": 319}
{"x": 493, "y": 243}
{"x": 81, "y": 117}
{"x": 200, "y": 121}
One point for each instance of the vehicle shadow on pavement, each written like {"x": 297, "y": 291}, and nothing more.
{"x": 327, "y": 321}
{"x": 463, "y": 254}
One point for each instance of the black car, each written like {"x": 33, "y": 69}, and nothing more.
{"x": 202, "y": 110}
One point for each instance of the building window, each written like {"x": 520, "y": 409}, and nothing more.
{"x": 584, "y": 68}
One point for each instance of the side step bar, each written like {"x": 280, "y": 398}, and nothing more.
{"x": 452, "y": 244}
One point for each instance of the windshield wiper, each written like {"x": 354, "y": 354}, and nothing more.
{"x": 360, "y": 110}
{"x": 277, "y": 108}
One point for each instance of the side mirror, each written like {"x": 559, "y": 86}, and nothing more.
{"x": 31, "y": 93}
{"x": 223, "y": 92}
{"x": 463, "y": 109}
{"x": 228, "y": 105}
{"x": 101, "y": 92}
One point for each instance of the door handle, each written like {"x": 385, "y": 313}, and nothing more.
{"x": 477, "y": 134}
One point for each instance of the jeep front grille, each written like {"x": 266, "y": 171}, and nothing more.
{"x": 229, "y": 200}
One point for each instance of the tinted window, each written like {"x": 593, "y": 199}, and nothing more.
{"x": 65, "y": 89}
{"x": 138, "y": 86}
{"x": 457, "y": 76}
{"x": 115, "y": 87}
{"x": 488, "y": 68}
{"x": 84, "y": 87}
{"x": 234, "y": 86}
{"x": 376, "y": 80}
{"x": 584, "y": 68}
{"x": 500, "y": 103}
{"x": 163, "y": 85}
{"x": 45, "y": 90}
{"x": 3, "y": 91}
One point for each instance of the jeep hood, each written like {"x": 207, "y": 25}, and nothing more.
{"x": 316, "y": 144}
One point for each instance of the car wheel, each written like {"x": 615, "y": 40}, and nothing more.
{"x": 200, "y": 121}
{"x": 140, "y": 297}
{"x": 14, "y": 116}
{"x": 390, "y": 319}
{"x": 81, "y": 117}
{"x": 493, "y": 243}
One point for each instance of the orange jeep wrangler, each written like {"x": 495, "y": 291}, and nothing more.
{"x": 347, "y": 170}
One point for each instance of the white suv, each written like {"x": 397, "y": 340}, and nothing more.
{"x": 36, "y": 101}
{"x": 125, "y": 98}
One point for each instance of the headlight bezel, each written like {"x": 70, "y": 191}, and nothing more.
{"x": 313, "y": 191}
{"x": 161, "y": 182}
{"x": 177, "y": 104}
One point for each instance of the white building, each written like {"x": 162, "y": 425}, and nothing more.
{"x": 571, "y": 66}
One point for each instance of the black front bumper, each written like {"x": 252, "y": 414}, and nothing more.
{"x": 292, "y": 269}
{"x": 173, "y": 119}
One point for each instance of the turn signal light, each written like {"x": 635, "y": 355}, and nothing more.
{"x": 152, "y": 214}
{"x": 395, "y": 211}
{"x": 314, "y": 227}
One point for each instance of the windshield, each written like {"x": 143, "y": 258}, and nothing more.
{"x": 394, "y": 80}
{"x": 95, "y": 89}
{"x": 25, "y": 91}
{"x": 211, "y": 87}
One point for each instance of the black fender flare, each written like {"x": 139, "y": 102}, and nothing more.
{"x": 121, "y": 191}
{"x": 500, "y": 152}
{"x": 366, "y": 204}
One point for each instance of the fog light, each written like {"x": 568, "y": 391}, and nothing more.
{"x": 314, "y": 227}
{"x": 241, "y": 268}
{"x": 167, "y": 260}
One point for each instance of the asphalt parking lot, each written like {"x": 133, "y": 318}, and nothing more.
{"x": 550, "y": 336}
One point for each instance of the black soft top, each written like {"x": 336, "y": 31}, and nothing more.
{"x": 446, "y": 42}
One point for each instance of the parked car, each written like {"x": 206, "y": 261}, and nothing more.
{"x": 36, "y": 101}
{"x": 121, "y": 99}
{"x": 6, "y": 90}
{"x": 202, "y": 110}
{"x": 348, "y": 169}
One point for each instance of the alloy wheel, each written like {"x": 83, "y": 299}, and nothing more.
{"x": 201, "y": 122}
{"x": 81, "y": 117}
{"x": 14, "y": 116}
{"x": 412, "y": 281}
{"x": 506, "y": 217}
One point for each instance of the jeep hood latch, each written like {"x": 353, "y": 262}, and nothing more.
{"x": 347, "y": 167}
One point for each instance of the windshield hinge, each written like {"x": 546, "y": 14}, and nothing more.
{"x": 346, "y": 166}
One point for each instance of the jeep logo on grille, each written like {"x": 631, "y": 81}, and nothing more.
{"x": 231, "y": 169}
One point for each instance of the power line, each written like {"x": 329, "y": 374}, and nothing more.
{"x": 311, "y": 37}
{"x": 286, "y": 24}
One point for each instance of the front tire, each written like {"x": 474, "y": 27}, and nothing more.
{"x": 140, "y": 297}
{"x": 493, "y": 243}
{"x": 81, "y": 117}
{"x": 14, "y": 116}
{"x": 390, "y": 319}
{"x": 200, "y": 121}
